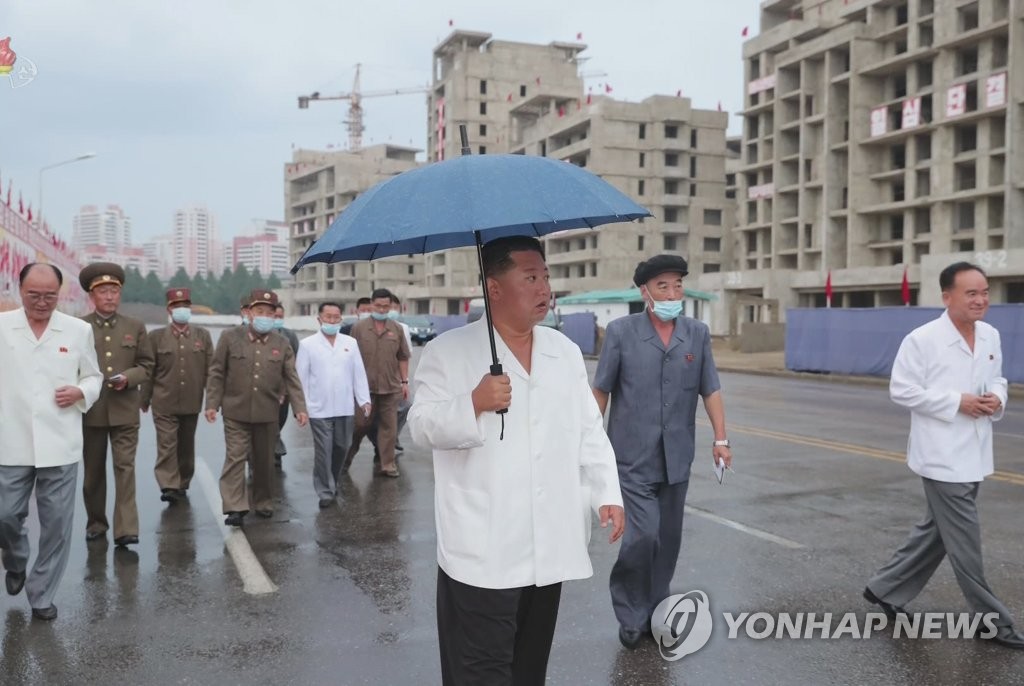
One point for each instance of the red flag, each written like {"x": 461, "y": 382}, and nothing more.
{"x": 21, "y": 205}
{"x": 538, "y": 80}
{"x": 745, "y": 31}
{"x": 8, "y": 192}
{"x": 607, "y": 88}
{"x": 905, "y": 289}
{"x": 579, "y": 36}
{"x": 561, "y": 111}
{"x": 30, "y": 212}
{"x": 719, "y": 105}
{"x": 828, "y": 289}
{"x": 451, "y": 22}
{"x": 679, "y": 93}
{"x": 509, "y": 98}
{"x": 589, "y": 98}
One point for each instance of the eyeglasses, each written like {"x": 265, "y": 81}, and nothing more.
{"x": 48, "y": 298}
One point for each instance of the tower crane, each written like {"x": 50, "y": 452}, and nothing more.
{"x": 354, "y": 122}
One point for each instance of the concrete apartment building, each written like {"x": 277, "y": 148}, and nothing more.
{"x": 196, "y": 246}
{"x": 108, "y": 228}
{"x": 263, "y": 247}
{"x": 529, "y": 98}
{"x": 318, "y": 185}
{"x": 878, "y": 136}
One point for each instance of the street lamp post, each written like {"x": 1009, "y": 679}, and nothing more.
{"x": 39, "y": 216}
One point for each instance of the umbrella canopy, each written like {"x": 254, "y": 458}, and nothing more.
{"x": 443, "y": 205}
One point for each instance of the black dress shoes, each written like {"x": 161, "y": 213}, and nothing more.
{"x": 169, "y": 495}
{"x": 325, "y": 503}
{"x": 94, "y": 535}
{"x": 630, "y": 638}
{"x": 123, "y": 541}
{"x": 889, "y": 609}
{"x": 266, "y": 514}
{"x": 45, "y": 613}
{"x": 15, "y": 582}
{"x": 234, "y": 518}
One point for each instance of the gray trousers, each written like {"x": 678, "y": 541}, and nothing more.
{"x": 331, "y": 440}
{"x": 950, "y": 527}
{"x": 55, "y": 500}
{"x": 650, "y": 548}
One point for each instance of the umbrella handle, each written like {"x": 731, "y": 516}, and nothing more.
{"x": 496, "y": 370}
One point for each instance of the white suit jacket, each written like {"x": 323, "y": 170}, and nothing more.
{"x": 34, "y": 432}
{"x": 933, "y": 368}
{"x": 513, "y": 512}
{"x": 331, "y": 375}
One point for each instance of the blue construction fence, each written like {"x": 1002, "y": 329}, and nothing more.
{"x": 865, "y": 341}
{"x": 581, "y": 328}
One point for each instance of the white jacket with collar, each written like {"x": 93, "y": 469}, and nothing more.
{"x": 933, "y": 368}
{"x": 34, "y": 431}
{"x": 513, "y": 512}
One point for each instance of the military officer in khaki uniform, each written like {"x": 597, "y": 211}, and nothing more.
{"x": 126, "y": 362}
{"x": 183, "y": 353}
{"x": 252, "y": 370}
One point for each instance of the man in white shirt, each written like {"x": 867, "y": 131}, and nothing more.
{"x": 948, "y": 373}
{"x": 49, "y": 378}
{"x": 513, "y": 492}
{"x": 334, "y": 381}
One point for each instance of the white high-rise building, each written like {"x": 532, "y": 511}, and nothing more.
{"x": 108, "y": 228}
{"x": 196, "y": 247}
{"x": 159, "y": 253}
{"x": 264, "y": 247}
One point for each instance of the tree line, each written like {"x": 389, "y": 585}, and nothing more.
{"x": 220, "y": 294}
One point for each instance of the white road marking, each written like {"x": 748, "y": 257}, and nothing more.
{"x": 756, "y": 533}
{"x": 254, "y": 579}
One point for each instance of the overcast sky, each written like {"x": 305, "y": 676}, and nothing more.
{"x": 194, "y": 101}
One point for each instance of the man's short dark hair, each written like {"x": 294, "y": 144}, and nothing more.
{"x": 948, "y": 276}
{"x": 320, "y": 310}
{"x": 497, "y": 254}
{"x": 23, "y": 274}
{"x": 363, "y": 301}
{"x": 379, "y": 293}
{"x": 395, "y": 300}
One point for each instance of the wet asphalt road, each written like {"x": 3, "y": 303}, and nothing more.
{"x": 817, "y": 466}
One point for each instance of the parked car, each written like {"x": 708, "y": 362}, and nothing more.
{"x": 476, "y": 311}
{"x": 421, "y": 329}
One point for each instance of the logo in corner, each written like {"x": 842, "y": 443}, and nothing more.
{"x": 26, "y": 70}
{"x": 682, "y": 624}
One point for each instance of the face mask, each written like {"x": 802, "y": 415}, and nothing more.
{"x": 666, "y": 310}
{"x": 364, "y": 315}
{"x": 245, "y": 321}
{"x": 379, "y": 317}
{"x": 263, "y": 324}
{"x": 181, "y": 315}
{"x": 393, "y": 314}
{"x": 278, "y": 323}
{"x": 330, "y": 329}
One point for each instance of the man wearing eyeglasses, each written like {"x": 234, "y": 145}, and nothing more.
{"x": 48, "y": 379}
{"x": 126, "y": 360}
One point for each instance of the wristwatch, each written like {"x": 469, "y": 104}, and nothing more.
{"x": 724, "y": 443}
{"x": 405, "y": 381}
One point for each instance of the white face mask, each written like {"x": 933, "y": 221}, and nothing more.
{"x": 181, "y": 315}
{"x": 364, "y": 315}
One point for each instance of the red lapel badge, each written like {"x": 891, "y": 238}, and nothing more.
{"x": 275, "y": 351}
{"x": 128, "y": 337}
{"x": 198, "y": 345}
{"x": 63, "y": 349}
{"x": 689, "y": 357}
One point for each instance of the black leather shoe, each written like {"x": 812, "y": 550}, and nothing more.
{"x": 266, "y": 514}
{"x": 325, "y": 503}
{"x": 234, "y": 519}
{"x": 94, "y": 535}
{"x": 889, "y": 609}
{"x": 1014, "y": 640}
{"x": 399, "y": 448}
{"x": 45, "y": 613}
{"x": 15, "y": 582}
{"x": 169, "y": 495}
{"x": 630, "y": 638}
{"x": 126, "y": 540}
{"x": 182, "y": 492}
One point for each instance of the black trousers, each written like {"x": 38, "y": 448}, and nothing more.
{"x": 495, "y": 637}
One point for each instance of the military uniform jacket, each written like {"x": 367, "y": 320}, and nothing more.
{"x": 182, "y": 367}
{"x": 249, "y": 377}
{"x": 121, "y": 348}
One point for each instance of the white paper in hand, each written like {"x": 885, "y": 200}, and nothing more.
{"x": 720, "y": 469}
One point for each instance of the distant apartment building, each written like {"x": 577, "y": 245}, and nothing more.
{"x": 107, "y": 227}
{"x": 129, "y": 258}
{"x": 879, "y": 137}
{"x": 159, "y": 253}
{"x": 264, "y": 247}
{"x": 319, "y": 185}
{"x": 196, "y": 247}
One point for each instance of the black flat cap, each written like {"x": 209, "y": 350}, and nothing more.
{"x": 659, "y": 264}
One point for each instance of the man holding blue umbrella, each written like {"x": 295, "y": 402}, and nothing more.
{"x": 513, "y": 493}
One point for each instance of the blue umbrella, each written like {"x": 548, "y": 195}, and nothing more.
{"x": 467, "y": 201}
